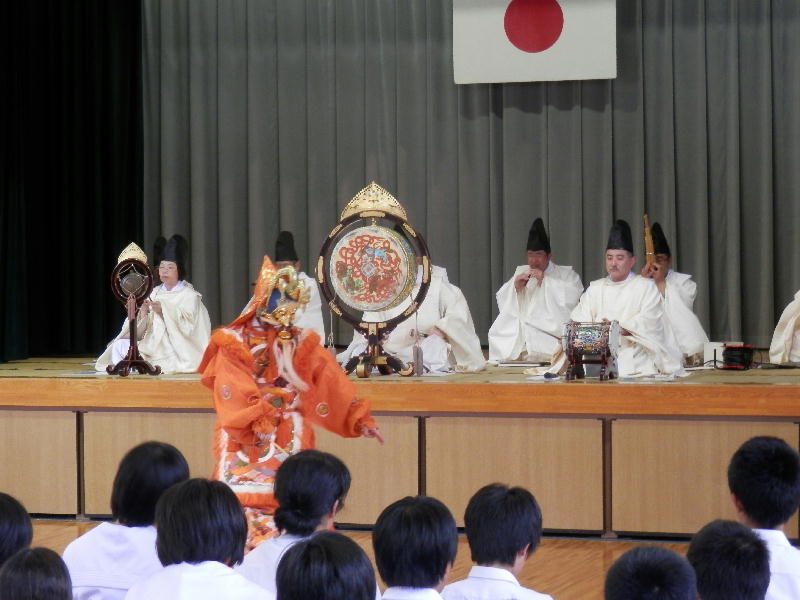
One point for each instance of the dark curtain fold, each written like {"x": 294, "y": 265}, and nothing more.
{"x": 72, "y": 191}
{"x": 271, "y": 114}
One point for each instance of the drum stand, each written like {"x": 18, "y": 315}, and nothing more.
{"x": 376, "y": 356}
{"x": 576, "y": 360}
{"x": 133, "y": 360}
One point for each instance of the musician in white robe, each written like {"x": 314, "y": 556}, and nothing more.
{"x": 647, "y": 344}
{"x": 442, "y": 326}
{"x": 785, "y": 346}
{"x": 679, "y": 292}
{"x": 172, "y": 325}
{"x": 534, "y": 304}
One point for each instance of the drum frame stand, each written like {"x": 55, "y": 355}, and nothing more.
{"x": 376, "y": 356}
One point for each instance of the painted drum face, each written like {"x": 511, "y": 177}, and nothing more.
{"x": 372, "y": 268}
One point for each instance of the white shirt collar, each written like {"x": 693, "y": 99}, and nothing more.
{"x": 178, "y": 286}
{"x": 630, "y": 276}
{"x": 408, "y": 593}
{"x": 772, "y": 536}
{"x": 480, "y": 572}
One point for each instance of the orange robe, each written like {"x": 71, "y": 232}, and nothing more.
{"x": 262, "y": 419}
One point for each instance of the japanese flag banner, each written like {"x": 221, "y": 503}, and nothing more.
{"x": 534, "y": 40}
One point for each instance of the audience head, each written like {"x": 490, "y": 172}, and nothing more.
{"x": 145, "y": 473}
{"x": 16, "y": 531}
{"x": 35, "y": 574}
{"x": 764, "y": 478}
{"x": 650, "y": 573}
{"x": 730, "y": 562}
{"x": 309, "y": 486}
{"x": 200, "y": 520}
{"x": 415, "y": 541}
{"x": 326, "y": 566}
{"x": 502, "y": 523}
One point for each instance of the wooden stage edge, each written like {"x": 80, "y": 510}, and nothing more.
{"x": 426, "y": 397}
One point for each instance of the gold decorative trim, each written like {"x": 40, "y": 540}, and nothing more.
{"x": 335, "y": 230}
{"x": 320, "y": 270}
{"x": 410, "y": 230}
{"x": 132, "y": 251}
{"x": 373, "y": 198}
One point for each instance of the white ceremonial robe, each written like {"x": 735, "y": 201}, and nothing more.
{"x": 490, "y": 583}
{"x": 784, "y": 565}
{"x": 785, "y": 346}
{"x": 445, "y": 308}
{"x": 207, "y": 580}
{"x": 106, "y": 561}
{"x": 636, "y": 303}
{"x": 174, "y": 340}
{"x": 679, "y": 294}
{"x": 531, "y": 321}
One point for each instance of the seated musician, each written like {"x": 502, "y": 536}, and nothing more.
{"x": 172, "y": 327}
{"x": 678, "y": 291}
{"x": 534, "y": 304}
{"x": 647, "y": 344}
{"x": 785, "y": 346}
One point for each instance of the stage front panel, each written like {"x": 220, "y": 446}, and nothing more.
{"x": 671, "y": 476}
{"x": 381, "y": 474}
{"x": 109, "y": 435}
{"x": 39, "y": 451}
{"x": 559, "y": 460}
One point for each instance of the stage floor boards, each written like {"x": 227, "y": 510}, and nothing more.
{"x": 83, "y": 367}
{"x": 565, "y": 568}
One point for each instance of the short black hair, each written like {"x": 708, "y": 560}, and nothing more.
{"x": 730, "y": 562}
{"x": 326, "y": 566}
{"x": 16, "y": 530}
{"x": 34, "y": 574}
{"x": 650, "y": 573}
{"x": 415, "y": 540}
{"x": 199, "y": 520}
{"x": 500, "y": 521}
{"x": 307, "y": 485}
{"x": 144, "y": 473}
{"x": 764, "y": 474}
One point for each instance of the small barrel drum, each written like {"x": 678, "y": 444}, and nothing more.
{"x": 591, "y": 343}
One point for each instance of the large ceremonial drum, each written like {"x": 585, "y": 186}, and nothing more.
{"x": 591, "y": 338}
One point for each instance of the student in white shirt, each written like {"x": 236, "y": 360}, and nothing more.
{"x": 106, "y": 561}
{"x": 326, "y": 566}
{"x": 764, "y": 479}
{"x": 650, "y": 572}
{"x": 415, "y": 541}
{"x": 730, "y": 561}
{"x": 201, "y": 534}
{"x": 504, "y": 527}
{"x": 310, "y": 488}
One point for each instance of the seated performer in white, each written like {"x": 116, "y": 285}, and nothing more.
{"x": 442, "y": 325}
{"x": 172, "y": 327}
{"x": 679, "y": 292}
{"x": 785, "y": 346}
{"x": 311, "y": 317}
{"x": 647, "y": 344}
{"x": 534, "y": 305}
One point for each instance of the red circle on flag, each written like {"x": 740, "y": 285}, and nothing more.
{"x": 533, "y": 25}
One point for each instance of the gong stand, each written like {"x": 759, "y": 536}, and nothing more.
{"x": 131, "y": 283}
{"x": 376, "y": 356}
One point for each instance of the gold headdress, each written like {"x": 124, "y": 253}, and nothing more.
{"x": 293, "y": 295}
{"x": 132, "y": 251}
{"x": 374, "y": 198}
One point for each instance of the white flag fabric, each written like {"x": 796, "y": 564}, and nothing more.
{"x": 534, "y": 40}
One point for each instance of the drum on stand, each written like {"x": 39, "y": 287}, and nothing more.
{"x": 591, "y": 343}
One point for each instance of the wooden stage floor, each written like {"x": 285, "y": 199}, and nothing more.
{"x": 565, "y": 568}
{"x": 756, "y": 393}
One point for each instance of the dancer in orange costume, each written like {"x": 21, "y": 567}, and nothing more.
{"x": 271, "y": 382}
